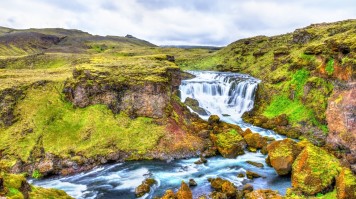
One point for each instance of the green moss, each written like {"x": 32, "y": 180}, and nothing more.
{"x": 299, "y": 78}
{"x": 36, "y": 174}
{"x": 330, "y": 66}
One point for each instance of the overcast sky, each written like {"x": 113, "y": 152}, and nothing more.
{"x": 162, "y": 22}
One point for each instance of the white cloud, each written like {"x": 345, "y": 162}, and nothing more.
{"x": 206, "y": 22}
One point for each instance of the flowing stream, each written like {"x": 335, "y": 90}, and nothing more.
{"x": 228, "y": 95}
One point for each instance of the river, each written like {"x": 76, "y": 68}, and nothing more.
{"x": 226, "y": 94}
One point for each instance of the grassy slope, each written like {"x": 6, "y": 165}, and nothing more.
{"x": 297, "y": 69}
{"x": 45, "y": 119}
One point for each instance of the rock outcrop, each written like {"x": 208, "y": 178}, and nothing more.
{"x": 263, "y": 194}
{"x": 145, "y": 187}
{"x": 281, "y": 155}
{"x": 341, "y": 117}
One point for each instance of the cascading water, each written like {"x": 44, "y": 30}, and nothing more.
{"x": 228, "y": 95}
{"x": 221, "y": 93}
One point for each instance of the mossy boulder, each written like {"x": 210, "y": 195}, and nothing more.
{"x": 252, "y": 175}
{"x": 144, "y": 187}
{"x": 224, "y": 187}
{"x": 314, "y": 171}
{"x": 169, "y": 194}
{"x": 230, "y": 144}
{"x": 263, "y": 194}
{"x": 255, "y": 140}
{"x": 194, "y": 105}
{"x": 346, "y": 184}
{"x": 184, "y": 192}
{"x": 214, "y": 119}
{"x": 282, "y": 155}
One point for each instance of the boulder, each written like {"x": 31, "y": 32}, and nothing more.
{"x": 247, "y": 188}
{"x": 223, "y": 187}
{"x": 194, "y": 105}
{"x": 252, "y": 175}
{"x": 263, "y": 194}
{"x": 256, "y": 164}
{"x": 346, "y": 184}
{"x": 314, "y": 171}
{"x": 255, "y": 140}
{"x": 184, "y": 192}
{"x": 282, "y": 155}
{"x": 145, "y": 187}
{"x": 230, "y": 144}
{"x": 192, "y": 183}
{"x": 213, "y": 119}
{"x": 169, "y": 195}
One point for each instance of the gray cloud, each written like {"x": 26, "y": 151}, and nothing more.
{"x": 195, "y": 22}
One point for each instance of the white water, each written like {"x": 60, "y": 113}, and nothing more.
{"x": 228, "y": 95}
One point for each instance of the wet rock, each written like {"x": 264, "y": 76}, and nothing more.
{"x": 230, "y": 144}
{"x": 255, "y": 140}
{"x": 194, "y": 105}
{"x": 314, "y": 171}
{"x": 202, "y": 160}
{"x": 263, "y": 194}
{"x": 246, "y": 132}
{"x": 282, "y": 155}
{"x": 346, "y": 184}
{"x": 223, "y": 187}
{"x": 184, "y": 192}
{"x": 256, "y": 164}
{"x": 145, "y": 187}
{"x": 252, "y": 175}
{"x": 240, "y": 175}
{"x": 247, "y": 188}
{"x": 192, "y": 183}
{"x": 169, "y": 195}
{"x": 213, "y": 119}
{"x": 46, "y": 166}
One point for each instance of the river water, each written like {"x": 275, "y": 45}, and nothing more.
{"x": 228, "y": 95}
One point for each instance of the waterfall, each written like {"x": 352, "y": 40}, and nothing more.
{"x": 221, "y": 93}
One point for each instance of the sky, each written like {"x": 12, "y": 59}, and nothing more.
{"x": 175, "y": 22}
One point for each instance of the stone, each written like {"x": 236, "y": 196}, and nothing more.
{"x": 144, "y": 187}
{"x": 194, "y": 105}
{"x": 223, "y": 187}
{"x": 346, "y": 184}
{"x": 252, "y": 175}
{"x": 256, "y": 164}
{"x": 184, "y": 192}
{"x": 314, "y": 171}
{"x": 213, "y": 119}
{"x": 255, "y": 140}
{"x": 240, "y": 175}
{"x": 230, "y": 144}
{"x": 282, "y": 155}
{"x": 202, "y": 160}
{"x": 263, "y": 194}
{"x": 192, "y": 183}
{"x": 169, "y": 194}
{"x": 247, "y": 187}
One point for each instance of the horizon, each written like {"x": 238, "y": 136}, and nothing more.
{"x": 199, "y": 23}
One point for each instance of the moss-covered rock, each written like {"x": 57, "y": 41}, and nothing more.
{"x": 263, "y": 194}
{"x": 346, "y": 184}
{"x": 255, "y": 140}
{"x": 16, "y": 186}
{"x": 144, "y": 187}
{"x": 230, "y": 144}
{"x": 194, "y": 105}
{"x": 169, "y": 194}
{"x": 184, "y": 192}
{"x": 314, "y": 171}
{"x": 281, "y": 155}
{"x": 223, "y": 187}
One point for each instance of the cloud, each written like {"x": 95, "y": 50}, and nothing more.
{"x": 196, "y": 22}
